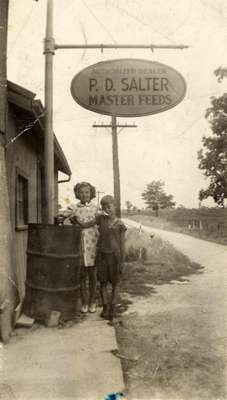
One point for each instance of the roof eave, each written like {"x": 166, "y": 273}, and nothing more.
{"x": 25, "y": 99}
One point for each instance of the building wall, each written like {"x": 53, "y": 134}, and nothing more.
{"x": 21, "y": 156}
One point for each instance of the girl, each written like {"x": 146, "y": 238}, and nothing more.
{"x": 83, "y": 213}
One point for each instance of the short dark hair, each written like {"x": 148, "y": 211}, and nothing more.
{"x": 79, "y": 185}
{"x": 107, "y": 199}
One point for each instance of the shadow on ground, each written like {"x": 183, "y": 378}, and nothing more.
{"x": 140, "y": 279}
{"x": 172, "y": 359}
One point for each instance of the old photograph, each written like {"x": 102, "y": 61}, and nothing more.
{"x": 113, "y": 195}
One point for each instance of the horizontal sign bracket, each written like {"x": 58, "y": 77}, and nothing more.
{"x": 119, "y": 46}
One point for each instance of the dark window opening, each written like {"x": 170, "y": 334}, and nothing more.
{"x": 21, "y": 202}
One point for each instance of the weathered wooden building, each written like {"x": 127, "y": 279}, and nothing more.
{"x": 25, "y": 171}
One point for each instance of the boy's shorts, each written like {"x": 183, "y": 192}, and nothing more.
{"x": 85, "y": 270}
{"x": 108, "y": 267}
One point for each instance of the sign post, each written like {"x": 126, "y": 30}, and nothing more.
{"x": 49, "y": 135}
{"x": 6, "y": 229}
{"x": 49, "y": 50}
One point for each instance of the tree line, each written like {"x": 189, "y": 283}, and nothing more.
{"x": 213, "y": 156}
{"x": 212, "y": 159}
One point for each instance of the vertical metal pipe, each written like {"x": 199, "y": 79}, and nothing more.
{"x": 116, "y": 170}
{"x": 4, "y": 7}
{"x": 6, "y": 293}
{"x": 5, "y": 233}
{"x": 49, "y": 136}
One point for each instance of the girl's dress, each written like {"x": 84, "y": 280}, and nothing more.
{"x": 89, "y": 236}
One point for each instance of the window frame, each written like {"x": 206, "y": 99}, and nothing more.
{"x": 18, "y": 225}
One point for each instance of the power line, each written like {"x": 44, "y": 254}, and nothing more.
{"x": 182, "y": 23}
{"x": 143, "y": 23}
{"x": 85, "y": 40}
{"x": 25, "y": 22}
{"x": 99, "y": 22}
{"x": 188, "y": 128}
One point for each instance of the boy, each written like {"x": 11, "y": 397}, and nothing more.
{"x": 110, "y": 254}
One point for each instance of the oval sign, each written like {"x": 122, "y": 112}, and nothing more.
{"x": 128, "y": 87}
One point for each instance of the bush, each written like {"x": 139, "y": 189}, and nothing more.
{"x": 140, "y": 245}
{"x": 137, "y": 245}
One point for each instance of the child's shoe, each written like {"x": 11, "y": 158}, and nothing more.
{"x": 92, "y": 308}
{"x": 105, "y": 312}
{"x": 84, "y": 308}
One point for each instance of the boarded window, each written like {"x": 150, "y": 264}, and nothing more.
{"x": 21, "y": 201}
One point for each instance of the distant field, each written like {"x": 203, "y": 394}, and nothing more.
{"x": 209, "y": 224}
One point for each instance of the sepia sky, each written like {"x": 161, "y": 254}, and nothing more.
{"x": 163, "y": 146}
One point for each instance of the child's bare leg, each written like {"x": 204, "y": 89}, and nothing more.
{"x": 114, "y": 293}
{"x": 114, "y": 298}
{"x": 92, "y": 285}
{"x": 83, "y": 290}
{"x": 104, "y": 295}
{"x": 103, "y": 291}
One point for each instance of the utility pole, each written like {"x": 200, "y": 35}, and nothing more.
{"x": 116, "y": 168}
{"x": 98, "y": 197}
{"x": 49, "y": 50}
{"x": 5, "y": 223}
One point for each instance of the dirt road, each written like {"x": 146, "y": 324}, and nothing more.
{"x": 196, "y": 309}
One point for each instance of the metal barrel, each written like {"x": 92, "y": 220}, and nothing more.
{"x": 53, "y": 271}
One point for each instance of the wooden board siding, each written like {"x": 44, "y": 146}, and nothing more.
{"x": 25, "y": 183}
{"x": 56, "y": 190}
{"x": 25, "y": 157}
{"x": 22, "y": 156}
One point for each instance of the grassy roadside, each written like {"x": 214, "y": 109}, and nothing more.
{"x": 152, "y": 261}
{"x": 164, "y": 355}
{"x": 161, "y": 223}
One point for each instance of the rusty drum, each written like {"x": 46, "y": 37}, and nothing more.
{"x": 53, "y": 271}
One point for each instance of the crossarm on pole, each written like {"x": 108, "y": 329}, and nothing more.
{"x": 117, "y": 126}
